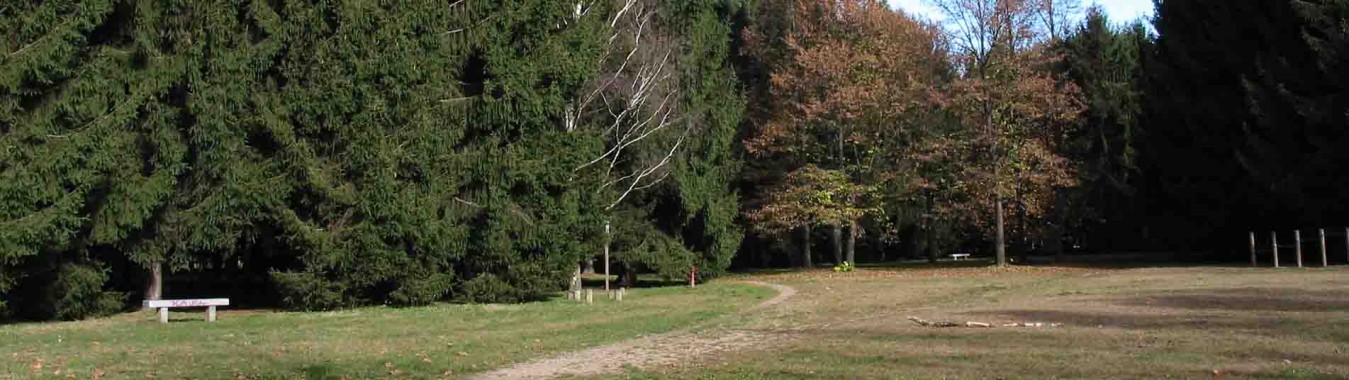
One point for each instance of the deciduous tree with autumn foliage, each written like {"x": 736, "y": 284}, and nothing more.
{"x": 856, "y": 74}
{"x": 1017, "y": 112}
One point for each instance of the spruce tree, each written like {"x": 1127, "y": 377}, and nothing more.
{"x": 340, "y": 153}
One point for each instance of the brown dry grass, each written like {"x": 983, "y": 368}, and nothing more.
{"x": 1116, "y": 323}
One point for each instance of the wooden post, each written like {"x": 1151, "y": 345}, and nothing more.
{"x": 1253, "y": 263}
{"x": 606, "y": 256}
{"x": 1297, "y": 239}
{"x": 620, "y": 294}
{"x": 574, "y": 289}
{"x": 1274, "y": 242}
{"x": 210, "y": 314}
{"x": 1324, "y": 263}
{"x": 163, "y": 315}
{"x": 590, "y": 296}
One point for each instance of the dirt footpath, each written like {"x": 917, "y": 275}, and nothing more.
{"x": 647, "y": 352}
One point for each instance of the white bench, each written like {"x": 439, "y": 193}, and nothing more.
{"x": 165, "y": 305}
{"x": 960, "y": 256}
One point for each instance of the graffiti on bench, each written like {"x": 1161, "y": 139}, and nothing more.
{"x": 188, "y": 303}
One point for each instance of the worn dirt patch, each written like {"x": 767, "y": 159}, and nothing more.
{"x": 647, "y": 352}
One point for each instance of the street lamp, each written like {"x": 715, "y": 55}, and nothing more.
{"x": 606, "y": 256}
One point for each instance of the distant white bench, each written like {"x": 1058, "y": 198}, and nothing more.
{"x": 960, "y": 256}
{"x": 165, "y": 305}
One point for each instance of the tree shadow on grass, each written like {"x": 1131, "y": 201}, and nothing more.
{"x": 642, "y": 282}
{"x": 1247, "y": 299}
{"x": 941, "y": 264}
{"x": 890, "y": 265}
{"x": 1237, "y": 308}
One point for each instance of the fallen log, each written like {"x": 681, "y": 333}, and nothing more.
{"x": 927, "y": 323}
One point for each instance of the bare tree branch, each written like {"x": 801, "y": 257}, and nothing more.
{"x": 638, "y": 98}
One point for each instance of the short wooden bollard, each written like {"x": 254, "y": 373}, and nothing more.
{"x": 1297, "y": 239}
{"x": 590, "y": 296}
{"x": 1324, "y": 263}
{"x": 619, "y": 296}
{"x": 1274, "y": 243}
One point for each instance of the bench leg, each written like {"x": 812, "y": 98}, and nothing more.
{"x": 163, "y": 315}
{"x": 210, "y": 314}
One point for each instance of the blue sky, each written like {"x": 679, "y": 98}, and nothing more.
{"x": 1119, "y": 10}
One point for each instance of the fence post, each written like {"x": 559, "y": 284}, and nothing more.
{"x": 1253, "y": 263}
{"x": 1297, "y": 239}
{"x": 1324, "y": 263}
{"x": 1274, "y": 242}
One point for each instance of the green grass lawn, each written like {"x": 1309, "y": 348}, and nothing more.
{"x": 420, "y": 342}
{"x": 1140, "y": 323}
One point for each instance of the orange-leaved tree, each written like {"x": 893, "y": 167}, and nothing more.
{"x": 844, "y": 98}
{"x": 1016, "y": 110}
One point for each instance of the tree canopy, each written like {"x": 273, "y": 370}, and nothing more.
{"x": 339, "y": 153}
{"x": 320, "y": 155}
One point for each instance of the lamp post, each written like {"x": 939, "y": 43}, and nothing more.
{"x": 606, "y": 256}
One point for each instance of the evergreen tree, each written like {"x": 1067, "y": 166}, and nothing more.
{"x": 1246, "y": 137}
{"x": 337, "y": 153}
{"x": 1105, "y": 62}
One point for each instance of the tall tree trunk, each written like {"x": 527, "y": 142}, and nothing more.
{"x": 1002, "y": 241}
{"x": 881, "y": 247}
{"x": 852, "y": 243}
{"x": 629, "y": 278}
{"x": 1001, "y": 248}
{"x": 155, "y": 290}
{"x": 836, "y": 233}
{"x": 928, "y": 246}
{"x": 1055, "y": 243}
{"x": 805, "y": 248}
